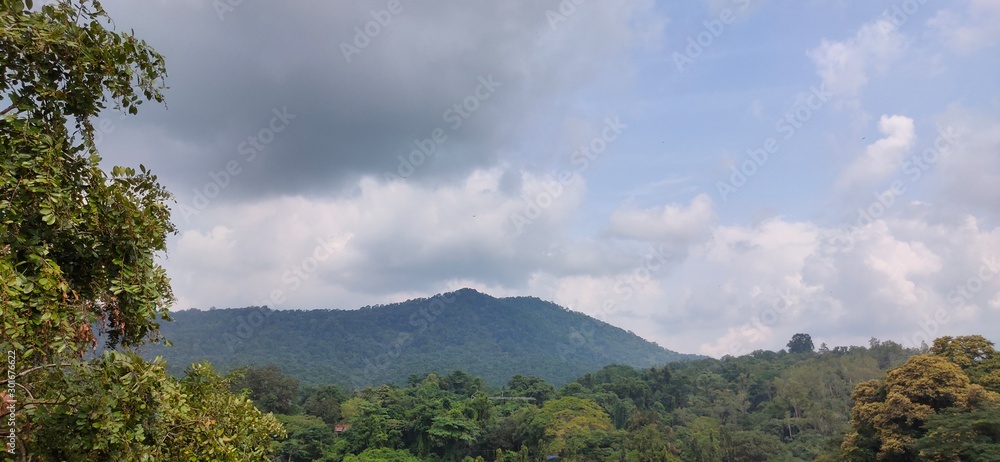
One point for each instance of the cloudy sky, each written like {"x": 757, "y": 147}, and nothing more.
{"x": 713, "y": 175}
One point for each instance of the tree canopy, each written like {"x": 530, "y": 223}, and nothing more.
{"x": 78, "y": 251}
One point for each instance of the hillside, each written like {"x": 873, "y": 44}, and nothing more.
{"x": 493, "y": 338}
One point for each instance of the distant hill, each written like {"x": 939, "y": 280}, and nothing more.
{"x": 493, "y": 338}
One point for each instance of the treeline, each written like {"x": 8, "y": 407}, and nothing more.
{"x": 938, "y": 403}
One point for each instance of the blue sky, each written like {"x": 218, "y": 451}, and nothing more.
{"x": 590, "y": 153}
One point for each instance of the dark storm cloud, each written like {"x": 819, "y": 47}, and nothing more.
{"x": 363, "y": 83}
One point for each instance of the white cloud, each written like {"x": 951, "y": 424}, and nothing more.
{"x": 846, "y": 66}
{"x": 968, "y": 170}
{"x": 883, "y": 157}
{"x": 673, "y": 223}
{"x": 738, "y": 289}
{"x": 971, "y": 30}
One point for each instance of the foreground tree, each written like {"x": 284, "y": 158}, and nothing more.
{"x": 78, "y": 249}
{"x": 891, "y": 416}
{"x": 975, "y": 355}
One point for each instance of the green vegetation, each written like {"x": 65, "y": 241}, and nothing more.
{"x": 880, "y": 402}
{"x": 78, "y": 252}
{"x": 78, "y": 264}
{"x": 487, "y": 337}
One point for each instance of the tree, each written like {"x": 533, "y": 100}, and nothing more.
{"x": 270, "y": 389}
{"x": 975, "y": 355}
{"x": 957, "y": 434}
{"x": 78, "y": 250}
{"x": 324, "y": 403}
{"x": 531, "y": 387}
{"x": 120, "y": 407}
{"x": 78, "y": 246}
{"x": 570, "y": 420}
{"x": 382, "y": 455}
{"x": 889, "y": 415}
{"x": 800, "y": 343}
{"x": 308, "y": 439}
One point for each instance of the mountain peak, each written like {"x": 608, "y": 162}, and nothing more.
{"x": 494, "y": 338}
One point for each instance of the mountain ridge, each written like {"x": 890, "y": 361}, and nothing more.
{"x": 495, "y": 338}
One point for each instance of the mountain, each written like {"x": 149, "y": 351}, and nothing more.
{"x": 493, "y": 338}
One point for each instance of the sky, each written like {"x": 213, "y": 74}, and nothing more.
{"x": 713, "y": 175}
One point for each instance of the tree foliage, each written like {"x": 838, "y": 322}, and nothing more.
{"x": 78, "y": 245}
{"x": 800, "y": 343}
{"x": 899, "y": 418}
{"x": 766, "y": 406}
{"x": 78, "y": 249}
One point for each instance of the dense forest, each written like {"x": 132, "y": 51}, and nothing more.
{"x": 491, "y": 338}
{"x": 858, "y": 403}
{"x": 80, "y": 269}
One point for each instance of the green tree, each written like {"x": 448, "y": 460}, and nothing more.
{"x": 78, "y": 249}
{"x": 889, "y": 415}
{"x": 78, "y": 246}
{"x": 800, "y": 343}
{"x": 453, "y": 432}
{"x": 752, "y": 446}
{"x": 270, "y": 389}
{"x": 382, "y": 455}
{"x": 119, "y": 407}
{"x": 966, "y": 435}
{"x": 975, "y": 355}
{"x": 651, "y": 443}
{"x": 324, "y": 402}
{"x": 531, "y": 387}
{"x": 569, "y": 422}
{"x": 308, "y": 439}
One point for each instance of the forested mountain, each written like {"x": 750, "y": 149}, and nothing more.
{"x": 492, "y": 338}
